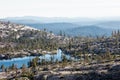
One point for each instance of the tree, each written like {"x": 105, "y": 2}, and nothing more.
{"x": 45, "y": 29}
{"x": 3, "y": 67}
{"x": 23, "y": 68}
{"x": 64, "y": 61}
{"x": 34, "y": 63}
{"x": 51, "y": 32}
{"x": 64, "y": 34}
{"x": 60, "y": 33}
{"x": 13, "y": 67}
{"x": 6, "y": 70}
{"x": 51, "y": 59}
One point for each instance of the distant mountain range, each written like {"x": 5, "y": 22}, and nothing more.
{"x": 73, "y": 29}
{"x": 89, "y": 31}
{"x": 70, "y": 26}
{"x": 33, "y": 19}
{"x": 55, "y": 27}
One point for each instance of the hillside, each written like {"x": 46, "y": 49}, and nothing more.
{"x": 89, "y": 31}
{"x": 81, "y": 57}
{"x": 110, "y": 24}
{"x": 54, "y": 27}
{"x": 16, "y": 38}
{"x": 73, "y": 29}
{"x": 7, "y": 29}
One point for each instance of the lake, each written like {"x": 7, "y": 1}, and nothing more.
{"x": 25, "y": 60}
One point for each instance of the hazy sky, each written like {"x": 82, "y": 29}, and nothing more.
{"x": 60, "y": 8}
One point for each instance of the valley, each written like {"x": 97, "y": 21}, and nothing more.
{"x": 61, "y": 53}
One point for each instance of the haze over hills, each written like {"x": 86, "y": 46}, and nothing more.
{"x": 70, "y": 26}
{"x": 89, "y": 31}
{"x": 34, "y": 19}
{"x": 110, "y": 24}
{"x": 55, "y": 27}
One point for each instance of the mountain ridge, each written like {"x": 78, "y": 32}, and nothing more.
{"x": 57, "y": 24}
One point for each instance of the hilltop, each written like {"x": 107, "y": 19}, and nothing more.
{"x": 16, "y": 39}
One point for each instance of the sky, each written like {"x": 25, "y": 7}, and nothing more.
{"x": 60, "y": 8}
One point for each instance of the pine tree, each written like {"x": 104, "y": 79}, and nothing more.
{"x": 3, "y": 68}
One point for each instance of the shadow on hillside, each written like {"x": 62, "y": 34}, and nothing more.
{"x": 112, "y": 74}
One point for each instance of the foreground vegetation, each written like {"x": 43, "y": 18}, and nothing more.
{"x": 96, "y": 69}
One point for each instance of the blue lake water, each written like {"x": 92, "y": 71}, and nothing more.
{"x": 25, "y": 60}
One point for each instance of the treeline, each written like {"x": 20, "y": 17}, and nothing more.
{"x": 97, "y": 45}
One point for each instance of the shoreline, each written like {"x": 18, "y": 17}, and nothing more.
{"x": 21, "y": 54}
